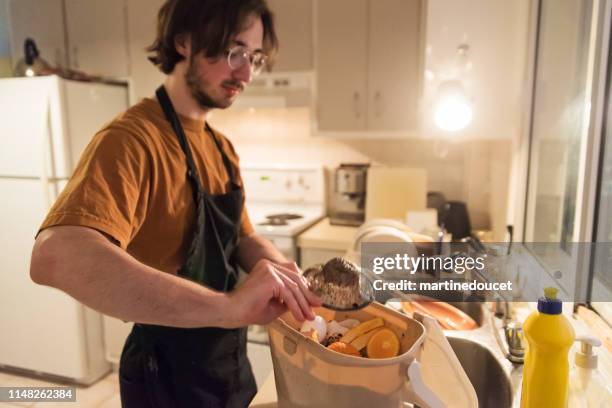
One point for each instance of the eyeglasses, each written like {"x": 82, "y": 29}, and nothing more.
{"x": 239, "y": 55}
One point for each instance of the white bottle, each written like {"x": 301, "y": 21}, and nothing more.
{"x": 587, "y": 387}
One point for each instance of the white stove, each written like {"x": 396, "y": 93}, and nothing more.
{"x": 283, "y": 201}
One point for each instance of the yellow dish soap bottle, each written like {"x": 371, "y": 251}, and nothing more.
{"x": 546, "y": 372}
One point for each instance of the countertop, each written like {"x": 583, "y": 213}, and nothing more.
{"x": 267, "y": 398}
{"x": 323, "y": 235}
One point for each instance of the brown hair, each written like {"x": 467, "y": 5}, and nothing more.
{"x": 211, "y": 25}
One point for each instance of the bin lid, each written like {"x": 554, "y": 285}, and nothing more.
{"x": 441, "y": 370}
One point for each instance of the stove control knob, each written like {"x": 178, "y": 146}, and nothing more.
{"x": 303, "y": 183}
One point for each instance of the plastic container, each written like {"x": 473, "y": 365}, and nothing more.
{"x": 309, "y": 375}
{"x": 546, "y": 372}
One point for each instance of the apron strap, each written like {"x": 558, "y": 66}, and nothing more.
{"x": 226, "y": 161}
{"x": 166, "y": 105}
{"x": 192, "y": 174}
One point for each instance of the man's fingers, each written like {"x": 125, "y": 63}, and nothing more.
{"x": 286, "y": 290}
{"x": 287, "y": 296}
{"x": 290, "y": 273}
{"x": 299, "y": 295}
{"x": 291, "y": 266}
{"x": 312, "y": 298}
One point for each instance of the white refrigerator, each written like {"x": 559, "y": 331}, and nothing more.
{"x": 45, "y": 123}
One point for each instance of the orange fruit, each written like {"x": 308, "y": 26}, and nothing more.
{"x": 383, "y": 344}
{"x": 344, "y": 348}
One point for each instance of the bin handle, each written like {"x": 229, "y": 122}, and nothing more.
{"x": 289, "y": 346}
{"x": 420, "y": 393}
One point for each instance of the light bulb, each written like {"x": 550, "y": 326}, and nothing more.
{"x": 453, "y": 111}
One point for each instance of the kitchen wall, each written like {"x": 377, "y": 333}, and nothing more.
{"x": 473, "y": 166}
{"x": 5, "y": 51}
{"x": 474, "y": 171}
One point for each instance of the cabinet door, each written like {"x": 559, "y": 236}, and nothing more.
{"x": 142, "y": 22}
{"x": 395, "y": 62}
{"x": 341, "y": 64}
{"x": 42, "y": 21}
{"x": 97, "y": 39}
{"x": 293, "y": 20}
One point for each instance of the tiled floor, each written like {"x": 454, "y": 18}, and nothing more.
{"x": 105, "y": 392}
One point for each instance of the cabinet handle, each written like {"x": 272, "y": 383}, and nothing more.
{"x": 356, "y": 105}
{"x": 75, "y": 57}
{"x": 377, "y": 104}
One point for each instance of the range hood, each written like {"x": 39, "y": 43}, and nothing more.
{"x": 277, "y": 90}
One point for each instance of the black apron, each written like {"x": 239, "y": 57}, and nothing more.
{"x": 204, "y": 367}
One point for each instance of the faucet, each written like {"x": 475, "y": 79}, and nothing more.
{"x": 516, "y": 342}
{"x": 513, "y": 331}
{"x": 514, "y": 347}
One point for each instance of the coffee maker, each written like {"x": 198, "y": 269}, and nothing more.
{"x": 348, "y": 199}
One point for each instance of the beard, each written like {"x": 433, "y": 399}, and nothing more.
{"x": 197, "y": 87}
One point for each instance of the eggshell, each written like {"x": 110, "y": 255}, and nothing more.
{"x": 317, "y": 324}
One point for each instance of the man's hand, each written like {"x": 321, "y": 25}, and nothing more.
{"x": 270, "y": 290}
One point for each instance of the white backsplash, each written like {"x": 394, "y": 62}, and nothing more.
{"x": 474, "y": 171}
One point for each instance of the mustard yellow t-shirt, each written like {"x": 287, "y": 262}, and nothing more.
{"x": 131, "y": 184}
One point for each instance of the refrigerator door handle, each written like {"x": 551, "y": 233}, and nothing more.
{"x": 46, "y": 135}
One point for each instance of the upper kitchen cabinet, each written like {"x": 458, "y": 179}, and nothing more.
{"x": 97, "y": 38}
{"x": 341, "y": 64}
{"x": 89, "y": 36}
{"x": 369, "y": 66}
{"x": 142, "y": 22}
{"x": 294, "y": 23}
{"x": 42, "y": 21}
{"x": 395, "y": 64}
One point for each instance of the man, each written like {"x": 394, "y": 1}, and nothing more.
{"x": 152, "y": 226}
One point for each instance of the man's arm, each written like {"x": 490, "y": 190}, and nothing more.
{"x": 253, "y": 247}
{"x": 85, "y": 264}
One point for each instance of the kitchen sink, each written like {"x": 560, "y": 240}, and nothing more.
{"x": 472, "y": 309}
{"x": 492, "y": 385}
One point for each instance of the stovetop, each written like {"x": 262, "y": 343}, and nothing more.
{"x": 283, "y": 219}
{"x": 284, "y": 200}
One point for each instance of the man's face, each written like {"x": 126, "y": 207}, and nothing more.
{"x": 212, "y": 82}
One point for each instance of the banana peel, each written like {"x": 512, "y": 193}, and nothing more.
{"x": 362, "y": 341}
{"x": 363, "y": 328}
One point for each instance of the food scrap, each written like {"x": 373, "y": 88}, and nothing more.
{"x": 337, "y": 282}
{"x": 340, "y": 347}
{"x": 369, "y": 339}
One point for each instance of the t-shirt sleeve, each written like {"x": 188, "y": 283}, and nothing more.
{"x": 109, "y": 188}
